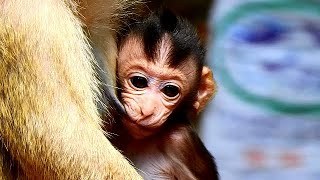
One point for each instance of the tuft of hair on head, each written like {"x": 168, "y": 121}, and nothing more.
{"x": 168, "y": 20}
{"x": 185, "y": 42}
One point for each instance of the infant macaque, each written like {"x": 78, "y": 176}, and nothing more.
{"x": 163, "y": 86}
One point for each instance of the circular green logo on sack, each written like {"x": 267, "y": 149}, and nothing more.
{"x": 268, "y": 54}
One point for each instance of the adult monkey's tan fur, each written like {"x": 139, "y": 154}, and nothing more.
{"x": 49, "y": 126}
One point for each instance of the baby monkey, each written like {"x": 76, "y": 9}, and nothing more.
{"x": 164, "y": 85}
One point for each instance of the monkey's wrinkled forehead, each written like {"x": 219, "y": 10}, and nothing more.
{"x": 162, "y": 54}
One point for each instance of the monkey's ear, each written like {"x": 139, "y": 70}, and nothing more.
{"x": 207, "y": 89}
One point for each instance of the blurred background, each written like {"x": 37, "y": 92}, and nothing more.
{"x": 265, "y": 119}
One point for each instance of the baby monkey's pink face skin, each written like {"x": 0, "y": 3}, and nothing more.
{"x": 151, "y": 90}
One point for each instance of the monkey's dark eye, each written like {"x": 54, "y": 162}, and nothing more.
{"x": 170, "y": 90}
{"x": 139, "y": 81}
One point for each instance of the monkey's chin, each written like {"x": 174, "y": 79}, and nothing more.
{"x": 136, "y": 130}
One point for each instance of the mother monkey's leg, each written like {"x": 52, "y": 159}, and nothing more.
{"x": 49, "y": 124}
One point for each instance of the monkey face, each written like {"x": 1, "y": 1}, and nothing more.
{"x": 151, "y": 90}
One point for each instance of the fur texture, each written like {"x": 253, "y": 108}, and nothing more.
{"x": 50, "y": 128}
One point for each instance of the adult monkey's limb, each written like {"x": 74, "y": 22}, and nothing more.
{"x": 49, "y": 125}
{"x": 104, "y": 19}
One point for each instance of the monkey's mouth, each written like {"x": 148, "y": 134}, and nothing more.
{"x": 138, "y": 125}
{"x": 137, "y": 130}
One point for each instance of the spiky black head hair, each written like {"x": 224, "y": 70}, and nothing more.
{"x": 183, "y": 36}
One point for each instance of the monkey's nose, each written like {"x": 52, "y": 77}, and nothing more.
{"x": 148, "y": 107}
{"x": 147, "y": 110}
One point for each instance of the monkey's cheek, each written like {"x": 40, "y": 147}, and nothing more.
{"x": 132, "y": 108}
